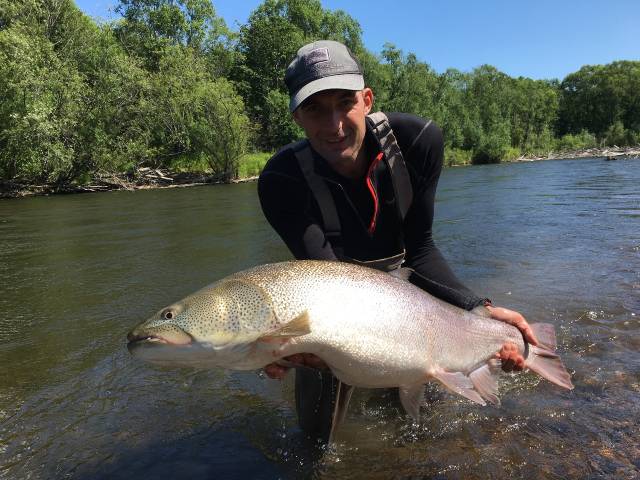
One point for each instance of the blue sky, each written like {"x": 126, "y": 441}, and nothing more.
{"x": 536, "y": 39}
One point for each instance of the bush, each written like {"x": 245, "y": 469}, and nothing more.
{"x": 251, "y": 164}
{"x": 540, "y": 143}
{"x": 619, "y": 136}
{"x": 579, "y": 141}
{"x": 456, "y": 156}
{"x": 492, "y": 149}
{"x": 512, "y": 153}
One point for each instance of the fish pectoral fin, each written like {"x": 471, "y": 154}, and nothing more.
{"x": 459, "y": 383}
{"x": 295, "y": 328}
{"x": 412, "y": 398}
{"x": 343, "y": 396}
{"x": 485, "y": 381}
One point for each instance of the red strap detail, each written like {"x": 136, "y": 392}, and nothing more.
{"x": 374, "y": 194}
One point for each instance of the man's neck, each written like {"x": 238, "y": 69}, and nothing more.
{"x": 353, "y": 168}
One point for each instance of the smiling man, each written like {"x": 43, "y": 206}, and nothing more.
{"x": 360, "y": 188}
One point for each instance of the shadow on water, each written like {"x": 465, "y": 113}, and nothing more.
{"x": 218, "y": 451}
{"x": 122, "y": 420}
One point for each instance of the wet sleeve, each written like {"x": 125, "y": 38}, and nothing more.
{"x": 286, "y": 203}
{"x": 425, "y": 157}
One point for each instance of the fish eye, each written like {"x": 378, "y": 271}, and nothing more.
{"x": 167, "y": 314}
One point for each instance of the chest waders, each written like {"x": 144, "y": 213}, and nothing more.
{"x": 321, "y": 399}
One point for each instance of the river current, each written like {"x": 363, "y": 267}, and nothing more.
{"x": 558, "y": 241}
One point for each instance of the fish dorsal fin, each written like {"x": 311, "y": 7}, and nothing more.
{"x": 295, "y": 328}
{"x": 403, "y": 273}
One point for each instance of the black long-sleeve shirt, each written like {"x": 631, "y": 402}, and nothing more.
{"x": 293, "y": 212}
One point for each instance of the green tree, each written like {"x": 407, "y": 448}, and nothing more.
{"x": 280, "y": 127}
{"x": 533, "y": 113}
{"x": 196, "y": 117}
{"x": 115, "y": 131}
{"x": 148, "y": 27}
{"x": 597, "y": 96}
{"x": 412, "y": 84}
{"x": 39, "y": 108}
{"x": 488, "y": 101}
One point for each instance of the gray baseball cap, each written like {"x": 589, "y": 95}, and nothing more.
{"x": 322, "y": 65}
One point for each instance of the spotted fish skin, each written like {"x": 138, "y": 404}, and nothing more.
{"x": 372, "y": 329}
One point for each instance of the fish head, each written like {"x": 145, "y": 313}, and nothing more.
{"x": 213, "y": 327}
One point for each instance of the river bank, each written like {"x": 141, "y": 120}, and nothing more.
{"x": 608, "y": 153}
{"x": 145, "y": 177}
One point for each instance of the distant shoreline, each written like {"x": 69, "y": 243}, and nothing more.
{"x": 148, "y": 178}
{"x": 608, "y": 153}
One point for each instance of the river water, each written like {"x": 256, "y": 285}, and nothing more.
{"x": 557, "y": 240}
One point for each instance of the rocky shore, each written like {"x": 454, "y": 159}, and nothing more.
{"x": 143, "y": 178}
{"x": 608, "y": 153}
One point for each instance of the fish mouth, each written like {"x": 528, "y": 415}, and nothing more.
{"x": 147, "y": 340}
{"x": 133, "y": 338}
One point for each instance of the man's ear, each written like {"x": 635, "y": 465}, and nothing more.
{"x": 367, "y": 96}
{"x": 296, "y": 117}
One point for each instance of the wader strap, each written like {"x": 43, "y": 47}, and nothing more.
{"x": 322, "y": 194}
{"x": 393, "y": 155}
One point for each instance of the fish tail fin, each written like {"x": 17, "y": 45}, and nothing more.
{"x": 543, "y": 358}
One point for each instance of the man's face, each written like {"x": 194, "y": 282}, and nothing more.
{"x": 334, "y": 122}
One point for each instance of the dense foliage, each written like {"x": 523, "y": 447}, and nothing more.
{"x": 169, "y": 85}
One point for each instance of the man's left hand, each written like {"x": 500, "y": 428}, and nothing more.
{"x": 512, "y": 360}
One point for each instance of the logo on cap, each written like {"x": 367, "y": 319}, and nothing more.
{"x": 316, "y": 56}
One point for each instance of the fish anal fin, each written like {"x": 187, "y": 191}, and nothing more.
{"x": 458, "y": 383}
{"x": 297, "y": 327}
{"x": 343, "y": 396}
{"x": 412, "y": 398}
{"x": 485, "y": 381}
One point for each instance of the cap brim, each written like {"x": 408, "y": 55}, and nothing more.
{"x": 352, "y": 81}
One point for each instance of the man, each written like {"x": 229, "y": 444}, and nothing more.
{"x": 360, "y": 188}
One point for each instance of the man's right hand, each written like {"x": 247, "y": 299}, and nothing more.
{"x": 309, "y": 360}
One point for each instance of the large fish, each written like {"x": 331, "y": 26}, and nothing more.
{"x": 372, "y": 329}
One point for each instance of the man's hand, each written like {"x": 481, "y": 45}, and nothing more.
{"x": 511, "y": 359}
{"x": 276, "y": 371}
